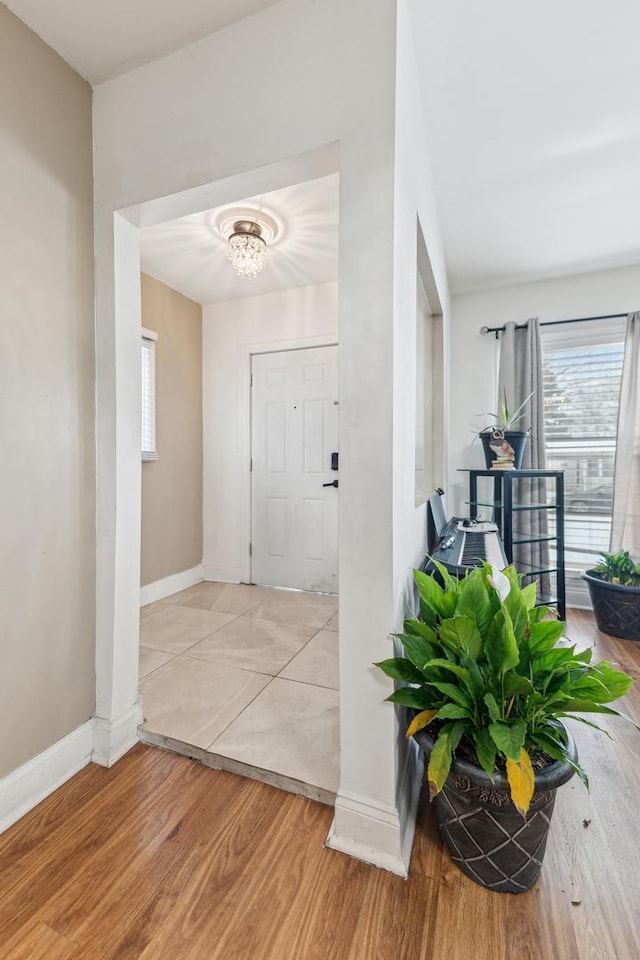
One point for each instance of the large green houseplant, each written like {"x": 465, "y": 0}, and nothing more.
{"x": 492, "y": 679}
{"x": 614, "y": 587}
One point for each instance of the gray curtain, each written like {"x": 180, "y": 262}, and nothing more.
{"x": 521, "y": 374}
{"x": 625, "y": 527}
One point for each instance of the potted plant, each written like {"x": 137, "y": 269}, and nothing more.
{"x": 492, "y": 679}
{"x": 614, "y": 587}
{"x": 503, "y": 443}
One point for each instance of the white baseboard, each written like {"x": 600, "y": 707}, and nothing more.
{"x": 113, "y": 738}
{"x": 222, "y": 574}
{"x": 160, "y": 589}
{"x": 27, "y": 786}
{"x": 368, "y": 831}
{"x": 380, "y": 833}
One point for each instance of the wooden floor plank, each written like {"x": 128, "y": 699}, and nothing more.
{"x": 163, "y": 859}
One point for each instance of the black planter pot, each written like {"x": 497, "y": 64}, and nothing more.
{"x": 616, "y": 607}
{"x": 515, "y": 438}
{"x": 485, "y": 835}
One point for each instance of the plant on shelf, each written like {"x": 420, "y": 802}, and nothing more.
{"x": 492, "y": 679}
{"x": 614, "y": 587}
{"x": 505, "y": 419}
{"x": 504, "y": 443}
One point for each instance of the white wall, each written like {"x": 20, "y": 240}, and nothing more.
{"x": 474, "y": 368}
{"x": 230, "y": 329}
{"x": 327, "y": 75}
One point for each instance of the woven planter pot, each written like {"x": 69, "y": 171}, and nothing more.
{"x": 616, "y": 607}
{"x": 485, "y": 835}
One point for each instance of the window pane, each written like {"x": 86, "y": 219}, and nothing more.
{"x": 148, "y": 398}
{"x": 582, "y": 386}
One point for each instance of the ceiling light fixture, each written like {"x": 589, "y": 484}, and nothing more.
{"x": 247, "y": 249}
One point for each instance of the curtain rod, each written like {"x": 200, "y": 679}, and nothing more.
{"x": 554, "y": 323}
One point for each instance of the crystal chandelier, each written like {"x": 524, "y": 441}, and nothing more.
{"x": 247, "y": 249}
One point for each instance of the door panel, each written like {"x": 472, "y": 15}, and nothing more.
{"x": 294, "y": 432}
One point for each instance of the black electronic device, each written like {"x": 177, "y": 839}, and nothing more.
{"x": 462, "y": 542}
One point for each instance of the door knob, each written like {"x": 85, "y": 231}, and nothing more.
{"x": 332, "y": 483}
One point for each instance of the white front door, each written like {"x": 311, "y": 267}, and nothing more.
{"x": 294, "y": 432}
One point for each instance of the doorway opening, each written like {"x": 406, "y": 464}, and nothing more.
{"x": 244, "y": 639}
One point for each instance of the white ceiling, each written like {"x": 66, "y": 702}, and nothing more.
{"x": 534, "y": 125}
{"x": 533, "y": 116}
{"x": 103, "y": 39}
{"x": 190, "y": 254}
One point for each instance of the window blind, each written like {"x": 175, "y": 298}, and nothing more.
{"x": 148, "y": 399}
{"x": 582, "y": 372}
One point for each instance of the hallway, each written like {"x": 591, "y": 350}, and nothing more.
{"x": 245, "y": 679}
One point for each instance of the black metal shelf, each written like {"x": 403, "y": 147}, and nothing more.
{"x": 505, "y": 506}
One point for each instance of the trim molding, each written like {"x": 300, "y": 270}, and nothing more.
{"x": 223, "y": 574}
{"x": 26, "y": 787}
{"x": 380, "y": 833}
{"x": 160, "y": 589}
{"x": 113, "y": 738}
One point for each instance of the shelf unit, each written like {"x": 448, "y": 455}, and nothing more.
{"x": 505, "y": 507}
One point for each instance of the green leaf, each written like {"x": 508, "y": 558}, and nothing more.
{"x": 543, "y": 636}
{"x": 616, "y": 682}
{"x": 501, "y": 648}
{"x": 456, "y": 731}
{"x": 509, "y": 737}
{"x": 461, "y": 634}
{"x": 516, "y": 606}
{"x": 454, "y": 693}
{"x": 575, "y": 705}
{"x": 431, "y": 594}
{"x": 476, "y": 681}
{"x": 485, "y": 751}
{"x": 474, "y": 602}
{"x": 554, "y": 659}
{"x": 492, "y": 705}
{"x": 515, "y": 685}
{"x": 412, "y": 697}
{"x": 451, "y": 711}
{"x": 439, "y": 762}
{"x": 529, "y": 595}
{"x": 400, "y": 669}
{"x": 447, "y": 665}
{"x": 417, "y": 649}
{"x": 450, "y": 583}
{"x": 418, "y": 629}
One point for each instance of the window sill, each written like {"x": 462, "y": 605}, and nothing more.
{"x": 149, "y": 456}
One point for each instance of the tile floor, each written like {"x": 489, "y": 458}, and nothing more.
{"x": 245, "y": 678}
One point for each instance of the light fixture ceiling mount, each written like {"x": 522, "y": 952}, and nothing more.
{"x": 247, "y": 249}
{"x": 247, "y": 232}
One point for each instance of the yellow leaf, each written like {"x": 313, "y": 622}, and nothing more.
{"x": 439, "y": 763}
{"x": 420, "y": 721}
{"x": 522, "y": 781}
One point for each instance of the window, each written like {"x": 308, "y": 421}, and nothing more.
{"x": 148, "y": 358}
{"x": 582, "y": 366}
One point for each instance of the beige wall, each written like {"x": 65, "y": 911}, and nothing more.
{"x": 172, "y": 484}
{"x": 47, "y": 446}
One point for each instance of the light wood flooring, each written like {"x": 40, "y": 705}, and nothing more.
{"x": 161, "y": 858}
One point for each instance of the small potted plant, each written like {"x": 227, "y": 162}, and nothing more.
{"x": 504, "y": 444}
{"x": 614, "y": 587}
{"x": 492, "y": 679}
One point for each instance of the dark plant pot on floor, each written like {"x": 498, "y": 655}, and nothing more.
{"x": 515, "y": 438}
{"x": 616, "y": 607}
{"x": 485, "y": 835}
